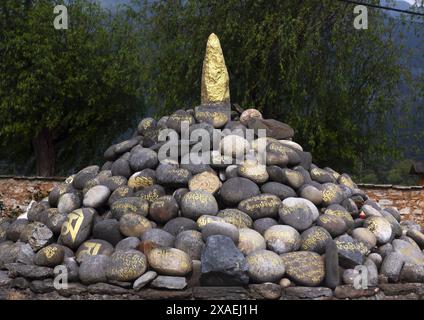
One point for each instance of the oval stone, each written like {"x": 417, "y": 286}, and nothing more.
{"x": 261, "y": 225}
{"x": 180, "y": 224}
{"x": 380, "y": 227}
{"x": 236, "y": 217}
{"x": 278, "y": 189}
{"x": 167, "y": 174}
{"x": 197, "y": 203}
{"x": 315, "y": 239}
{"x": 130, "y": 205}
{"x": 254, "y": 171}
{"x": 331, "y": 194}
{"x": 50, "y": 256}
{"x": 77, "y": 227}
{"x": 96, "y": 196}
{"x": 262, "y": 206}
{"x": 265, "y": 266}
{"x": 366, "y": 236}
{"x": 68, "y": 202}
{"x": 297, "y": 213}
{"x": 133, "y": 225}
{"x": 190, "y": 242}
{"x": 304, "y": 267}
{"x": 151, "y": 193}
{"x": 250, "y": 241}
{"x": 206, "y": 181}
{"x": 282, "y": 239}
{"x": 238, "y": 189}
{"x": 206, "y": 219}
{"x": 93, "y": 247}
{"x": 339, "y": 211}
{"x": 155, "y": 238}
{"x": 220, "y": 228}
{"x": 143, "y": 158}
{"x": 126, "y": 265}
{"x": 163, "y": 209}
{"x": 335, "y": 225}
{"x": 170, "y": 261}
{"x": 142, "y": 179}
{"x": 312, "y": 194}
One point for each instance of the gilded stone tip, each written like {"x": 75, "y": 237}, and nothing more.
{"x": 215, "y": 79}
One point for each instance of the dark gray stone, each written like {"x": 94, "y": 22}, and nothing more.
{"x": 126, "y": 265}
{"x": 190, "y": 241}
{"x": 278, "y": 189}
{"x": 332, "y": 269}
{"x": 315, "y": 239}
{"x": 50, "y": 256}
{"x": 134, "y": 205}
{"x": 130, "y": 243}
{"x": 222, "y": 263}
{"x": 144, "y": 280}
{"x": 93, "y": 269}
{"x": 261, "y": 206}
{"x": 168, "y": 282}
{"x": 107, "y": 230}
{"x": 143, "y": 158}
{"x": 121, "y": 167}
{"x": 238, "y": 189}
{"x": 163, "y": 209}
{"x": 333, "y": 224}
{"x": 351, "y": 251}
{"x": 261, "y": 225}
{"x": 77, "y": 227}
{"x": 392, "y": 266}
{"x": 29, "y": 271}
{"x": 197, "y": 203}
{"x": 171, "y": 175}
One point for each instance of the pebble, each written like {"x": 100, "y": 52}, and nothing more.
{"x": 261, "y": 225}
{"x": 68, "y": 202}
{"x": 236, "y": 217}
{"x": 392, "y": 266}
{"x": 50, "y": 256}
{"x": 220, "y": 228}
{"x": 96, "y": 196}
{"x": 93, "y": 247}
{"x": 163, "y": 209}
{"x": 133, "y": 225}
{"x": 237, "y": 189}
{"x": 93, "y": 269}
{"x": 130, "y": 205}
{"x": 366, "y": 236}
{"x": 155, "y": 238}
{"x": 108, "y": 230}
{"x": 144, "y": 280}
{"x": 315, "y": 239}
{"x": 333, "y": 224}
{"x": 297, "y": 213}
{"x": 130, "y": 243}
{"x": 380, "y": 227}
{"x": 206, "y": 181}
{"x": 142, "y": 179}
{"x": 278, "y": 189}
{"x": 309, "y": 192}
{"x": 191, "y": 242}
{"x": 179, "y": 224}
{"x": 254, "y": 171}
{"x": 167, "y": 282}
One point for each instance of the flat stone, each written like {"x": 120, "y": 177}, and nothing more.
{"x": 220, "y": 293}
{"x": 332, "y": 268}
{"x": 295, "y": 293}
{"x": 28, "y": 271}
{"x": 268, "y": 290}
{"x": 42, "y": 286}
{"x": 167, "y": 282}
{"x": 261, "y": 206}
{"x": 349, "y": 292}
{"x": 105, "y": 288}
{"x": 400, "y": 289}
{"x": 144, "y": 280}
{"x": 72, "y": 289}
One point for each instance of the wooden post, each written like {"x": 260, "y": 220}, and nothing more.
{"x": 421, "y": 180}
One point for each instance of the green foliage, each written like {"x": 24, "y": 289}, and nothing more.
{"x": 78, "y": 83}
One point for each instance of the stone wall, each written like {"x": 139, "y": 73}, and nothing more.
{"x": 408, "y": 200}
{"x": 17, "y": 192}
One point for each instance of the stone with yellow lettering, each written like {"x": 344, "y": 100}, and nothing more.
{"x": 217, "y": 114}
{"x": 151, "y": 193}
{"x": 145, "y": 125}
{"x": 205, "y": 219}
{"x": 365, "y": 236}
{"x": 197, "y": 203}
{"x": 335, "y": 225}
{"x": 321, "y": 176}
{"x": 119, "y": 193}
{"x": 253, "y": 170}
{"x": 77, "y": 227}
{"x": 126, "y": 265}
{"x": 163, "y": 209}
{"x": 133, "y": 205}
{"x": 339, "y": 211}
{"x": 170, "y": 261}
{"x": 50, "y": 256}
{"x": 206, "y": 181}
{"x": 351, "y": 251}
{"x": 133, "y": 225}
{"x": 346, "y": 180}
{"x": 176, "y": 119}
{"x": 84, "y": 175}
{"x": 311, "y": 193}
{"x": 331, "y": 194}
{"x": 93, "y": 247}
{"x": 304, "y": 267}
{"x": 114, "y": 182}
{"x": 380, "y": 227}
{"x": 172, "y": 175}
{"x": 262, "y": 206}
{"x": 250, "y": 241}
{"x": 190, "y": 241}
{"x": 142, "y": 179}
{"x": 265, "y": 266}
{"x": 315, "y": 239}
{"x": 236, "y": 217}
{"x": 281, "y": 239}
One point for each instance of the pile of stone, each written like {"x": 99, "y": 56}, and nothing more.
{"x": 141, "y": 221}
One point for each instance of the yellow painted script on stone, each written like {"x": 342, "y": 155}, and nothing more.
{"x": 73, "y": 224}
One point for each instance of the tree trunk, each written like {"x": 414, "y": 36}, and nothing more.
{"x": 44, "y": 153}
